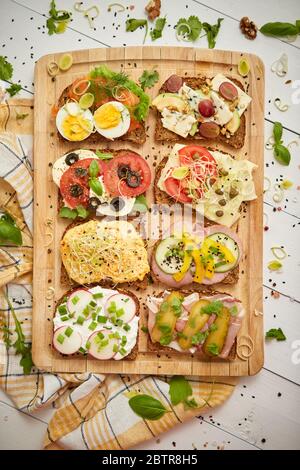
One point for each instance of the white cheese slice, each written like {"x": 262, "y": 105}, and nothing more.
{"x": 244, "y": 99}
{"x": 177, "y": 122}
{"x": 60, "y": 165}
{"x": 191, "y": 96}
{"x": 222, "y": 112}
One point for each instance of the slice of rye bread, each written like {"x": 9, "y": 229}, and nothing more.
{"x": 66, "y": 281}
{"x": 137, "y": 136}
{"x": 115, "y": 153}
{"x": 158, "y": 348}
{"x": 165, "y": 135}
{"x": 231, "y": 278}
{"x": 133, "y": 353}
{"x": 161, "y": 197}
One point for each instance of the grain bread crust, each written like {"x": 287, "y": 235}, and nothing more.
{"x": 231, "y": 278}
{"x": 137, "y": 136}
{"x": 67, "y": 282}
{"x": 162, "y": 134}
{"x": 158, "y": 348}
{"x": 133, "y": 353}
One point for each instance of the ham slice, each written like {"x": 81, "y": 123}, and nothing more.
{"x": 234, "y": 328}
{"x": 167, "y": 279}
{"x": 180, "y": 324}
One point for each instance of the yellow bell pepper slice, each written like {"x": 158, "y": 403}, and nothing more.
{"x": 185, "y": 267}
{"x": 229, "y": 258}
{"x": 199, "y": 272}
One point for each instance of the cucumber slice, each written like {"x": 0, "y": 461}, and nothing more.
{"x": 86, "y": 100}
{"x": 232, "y": 245}
{"x": 163, "y": 255}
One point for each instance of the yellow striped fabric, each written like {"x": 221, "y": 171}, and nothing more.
{"x": 91, "y": 410}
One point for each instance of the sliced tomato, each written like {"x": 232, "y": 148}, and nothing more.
{"x": 74, "y": 185}
{"x": 192, "y": 154}
{"x": 176, "y": 190}
{"x": 135, "y": 170}
{"x": 134, "y": 124}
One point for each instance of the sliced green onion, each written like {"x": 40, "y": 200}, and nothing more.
{"x": 64, "y": 318}
{"x": 101, "y": 319}
{"x": 120, "y": 312}
{"x": 82, "y": 350}
{"x": 280, "y": 106}
{"x": 98, "y": 295}
{"x": 69, "y": 331}
{"x": 115, "y": 348}
{"x": 279, "y": 252}
{"x": 75, "y": 300}
{"x": 93, "y": 326}
{"x": 80, "y": 320}
{"x": 88, "y": 345}
{"x": 60, "y": 339}
{"x": 274, "y": 265}
{"x": 62, "y": 309}
{"x": 126, "y": 327}
{"x": 117, "y": 5}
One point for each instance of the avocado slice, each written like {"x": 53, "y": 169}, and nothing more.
{"x": 234, "y": 122}
{"x": 195, "y": 323}
{"x": 215, "y": 341}
{"x": 169, "y": 100}
{"x": 166, "y": 318}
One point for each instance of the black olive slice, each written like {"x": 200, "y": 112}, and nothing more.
{"x": 117, "y": 204}
{"x": 76, "y": 190}
{"x": 133, "y": 179}
{"x": 71, "y": 158}
{"x": 123, "y": 171}
{"x": 81, "y": 171}
{"x": 94, "y": 202}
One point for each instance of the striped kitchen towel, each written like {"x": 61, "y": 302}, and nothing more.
{"x": 91, "y": 411}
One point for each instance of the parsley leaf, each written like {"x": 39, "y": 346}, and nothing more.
{"x": 6, "y": 69}
{"x": 133, "y": 24}
{"x": 213, "y": 348}
{"x": 188, "y": 29}
{"x": 213, "y": 307}
{"x": 58, "y": 20}
{"x": 158, "y": 29}
{"x": 148, "y": 78}
{"x": 14, "y": 89}
{"x": 276, "y": 333}
{"x": 199, "y": 337}
{"x": 21, "y": 348}
{"x": 212, "y": 32}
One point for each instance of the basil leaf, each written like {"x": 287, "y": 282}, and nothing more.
{"x": 68, "y": 213}
{"x": 96, "y": 186}
{"x": 104, "y": 155}
{"x": 277, "y": 132}
{"x": 282, "y": 154}
{"x": 140, "y": 204}
{"x": 279, "y": 29}
{"x": 82, "y": 212}
{"x": 147, "y": 407}
{"x": 94, "y": 169}
{"x": 179, "y": 390}
{"x": 9, "y": 233}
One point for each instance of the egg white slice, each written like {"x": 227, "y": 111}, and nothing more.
{"x": 63, "y": 114}
{"x": 123, "y": 125}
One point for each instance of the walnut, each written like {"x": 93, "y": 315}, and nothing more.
{"x": 205, "y": 89}
{"x": 223, "y": 130}
{"x": 248, "y": 28}
{"x": 153, "y": 9}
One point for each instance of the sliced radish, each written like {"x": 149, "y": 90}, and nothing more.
{"x": 78, "y": 301}
{"x": 67, "y": 343}
{"x": 98, "y": 349}
{"x": 122, "y": 302}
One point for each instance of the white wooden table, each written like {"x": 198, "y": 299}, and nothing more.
{"x": 264, "y": 411}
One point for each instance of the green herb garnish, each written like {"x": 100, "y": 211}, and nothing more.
{"x": 213, "y": 349}
{"x": 188, "y": 29}
{"x": 276, "y": 333}
{"x": 68, "y": 213}
{"x": 212, "y": 32}
{"x": 6, "y": 73}
{"x": 132, "y": 24}
{"x": 180, "y": 390}
{"x": 281, "y": 153}
{"x": 58, "y": 21}
{"x": 281, "y": 29}
{"x": 96, "y": 186}
{"x": 213, "y": 307}
{"x": 158, "y": 29}
{"x": 199, "y": 337}
{"x": 147, "y": 407}
{"x": 69, "y": 331}
{"x": 101, "y": 319}
{"x": 104, "y": 155}
{"x": 9, "y": 231}
{"x": 148, "y": 78}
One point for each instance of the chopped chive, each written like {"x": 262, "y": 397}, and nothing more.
{"x": 93, "y": 325}
{"x": 98, "y": 295}
{"x": 64, "y": 318}
{"x": 112, "y": 308}
{"x": 82, "y": 350}
{"x": 60, "y": 338}
{"x": 88, "y": 345}
{"x": 69, "y": 331}
{"x": 123, "y": 341}
{"x": 108, "y": 327}
{"x": 65, "y": 299}
{"x": 80, "y": 320}
{"x": 75, "y": 300}
{"x": 221, "y": 263}
{"x": 115, "y": 348}
{"x": 126, "y": 300}
{"x": 94, "y": 315}
{"x": 119, "y": 322}
{"x": 93, "y": 303}
{"x": 62, "y": 309}
{"x": 71, "y": 315}
{"x": 120, "y": 312}
{"x": 100, "y": 335}
{"x": 86, "y": 311}
{"x": 101, "y": 319}
{"x": 123, "y": 351}
{"x": 102, "y": 344}
{"x": 126, "y": 327}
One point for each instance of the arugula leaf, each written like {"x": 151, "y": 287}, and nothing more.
{"x": 148, "y": 78}
{"x": 280, "y": 29}
{"x": 188, "y": 29}
{"x": 147, "y": 407}
{"x": 212, "y": 32}
{"x": 158, "y": 29}
{"x": 58, "y": 20}
{"x": 104, "y": 155}
{"x": 133, "y": 24}
{"x": 6, "y": 69}
{"x": 276, "y": 333}
{"x": 21, "y": 348}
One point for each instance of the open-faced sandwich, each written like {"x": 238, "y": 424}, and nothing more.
{"x": 110, "y": 182}
{"x": 203, "y": 324}
{"x": 204, "y": 256}
{"x": 212, "y": 181}
{"x": 109, "y": 251}
{"x": 198, "y": 108}
{"x": 97, "y": 321}
{"x": 102, "y": 106}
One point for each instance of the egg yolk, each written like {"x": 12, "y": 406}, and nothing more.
{"x": 76, "y": 128}
{"x": 107, "y": 117}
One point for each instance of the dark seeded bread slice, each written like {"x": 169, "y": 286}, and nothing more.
{"x": 133, "y": 353}
{"x": 231, "y": 278}
{"x": 158, "y": 348}
{"x": 137, "y": 136}
{"x": 67, "y": 282}
{"x": 165, "y": 135}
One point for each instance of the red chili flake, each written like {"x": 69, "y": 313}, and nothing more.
{"x": 131, "y": 7}
{"x": 279, "y": 209}
{"x": 266, "y": 228}
{"x": 275, "y": 294}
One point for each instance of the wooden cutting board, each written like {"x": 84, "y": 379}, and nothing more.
{"x": 48, "y": 228}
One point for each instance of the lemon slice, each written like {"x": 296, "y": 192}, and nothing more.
{"x": 243, "y": 67}
{"x": 180, "y": 172}
{"x": 86, "y": 100}
{"x": 65, "y": 62}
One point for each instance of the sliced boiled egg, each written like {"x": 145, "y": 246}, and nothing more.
{"x": 112, "y": 119}
{"x": 73, "y": 123}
